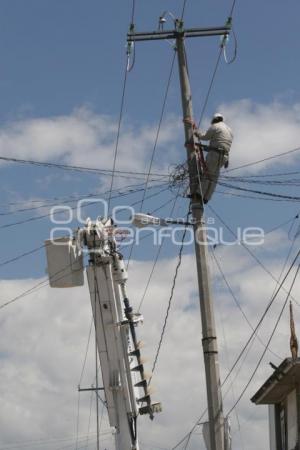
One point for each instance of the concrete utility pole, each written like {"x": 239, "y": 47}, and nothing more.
{"x": 214, "y": 395}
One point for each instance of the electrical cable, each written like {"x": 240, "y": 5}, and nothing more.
{"x": 89, "y": 421}
{"x": 232, "y": 8}
{"x": 222, "y": 320}
{"x": 274, "y": 291}
{"x": 246, "y": 344}
{"x": 16, "y": 258}
{"x": 132, "y": 12}
{"x": 183, "y": 9}
{"x": 107, "y": 172}
{"x": 249, "y": 197}
{"x": 238, "y": 304}
{"x": 169, "y": 303}
{"x": 155, "y": 143}
{"x": 73, "y": 198}
{"x": 210, "y": 86}
{"x": 249, "y": 251}
{"x": 42, "y": 284}
{"x": 30, "y": 252}
{"x": 279, "y": 155}
{"x": 270, "y": 194}
{"x": 39, "y": 442}
{"x": 269, "y": 341}
{"x": 155, "y": 260}
{"x": 43, "y": 216}
{"x": 86, "y": 352}
{"x": 233, "y": 58}
{"x": 159, "y": 126}
{"x": 216, "y": 69}
{"x": 39, "y": 285}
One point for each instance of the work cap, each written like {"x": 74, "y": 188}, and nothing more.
{"x": 218, "y": 116}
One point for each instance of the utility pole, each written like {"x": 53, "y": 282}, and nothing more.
{"x": 209, "y": 335}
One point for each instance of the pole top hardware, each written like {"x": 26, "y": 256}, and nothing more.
{"x": 179, "y": 31}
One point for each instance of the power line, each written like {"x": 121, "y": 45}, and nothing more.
{"x": 269, "y": 341}
{"x": 279, "y": 155}
{"x": 16, "y": 258}
{"x": 238, "y": 303}
{"x": 118, "y": 134}
{"x": 107, "y": 172}
{"x": 249, "y": 251}
{"x": 156, "y": 260}
{"x": 232, "y": 8}
{"x": 35, "y": 250}
{"x": 250, "y": 197}
{"x": 39, "y": 285}
{"x": 86, "y": 352}
{"x": 169, "y": 302}
{"x": 222, "y": 47}
{"x": 74, "y": 198}
{"x": 210, "y": 85}
{"x": 267, "y": 194}
{"x": 89, "y": 421}
{"x": 39, "y": 442}
{"x": 43, "y": 216}
{"x": 155, "y": 142}
{"x": 36, "y": 287}
{"x": 245, "y": 346}
{"x": 132, "y": 12}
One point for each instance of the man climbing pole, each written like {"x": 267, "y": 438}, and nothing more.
{"x": 220, "y": 136}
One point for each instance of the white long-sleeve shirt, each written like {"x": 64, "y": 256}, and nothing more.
{"x": 219, "y": 134}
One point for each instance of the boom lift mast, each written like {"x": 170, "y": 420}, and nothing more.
{"x": 124, "y": 380}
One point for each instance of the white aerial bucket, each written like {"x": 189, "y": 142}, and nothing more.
{"x": 65, "y": 267}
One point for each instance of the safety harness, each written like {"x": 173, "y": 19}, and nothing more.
{"x": 197, "y": 148}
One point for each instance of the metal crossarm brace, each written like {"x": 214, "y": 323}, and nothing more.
{"x": 174, "y": 34}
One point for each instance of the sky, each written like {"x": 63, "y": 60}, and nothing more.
{"x": 61, "y": 78}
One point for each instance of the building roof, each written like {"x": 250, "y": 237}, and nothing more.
{"x": 280, "y": 384}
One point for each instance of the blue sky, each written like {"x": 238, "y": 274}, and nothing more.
{"x": 60, "y": 55}
{"x": 57, "y": 55}
{"x": 61, "y": 73}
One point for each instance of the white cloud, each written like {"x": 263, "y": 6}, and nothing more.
{"x": 261, "y": 131}
{"x": 43, "y": 337}
{"x": 43, "y": 340}
{"x": 85, "y": 138}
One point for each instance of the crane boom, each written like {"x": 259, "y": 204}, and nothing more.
{"x": 123, "y": 376}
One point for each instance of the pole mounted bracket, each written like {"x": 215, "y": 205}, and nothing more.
{"x": 179, "y": 31}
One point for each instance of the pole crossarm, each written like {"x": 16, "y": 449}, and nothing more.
{"x": 174, "y": 34}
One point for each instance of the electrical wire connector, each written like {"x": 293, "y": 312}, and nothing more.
{"x": 224, "y": 39}
{"x": 161, "y": 22}
{"x": 179, "y": 24}
{"x": 130, "y": 50}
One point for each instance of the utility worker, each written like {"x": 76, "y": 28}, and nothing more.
{"x": 220, "y": 137}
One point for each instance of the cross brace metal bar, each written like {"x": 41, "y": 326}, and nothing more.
{"x": 173, "y": 34}
{"x": 91, "y": 389}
